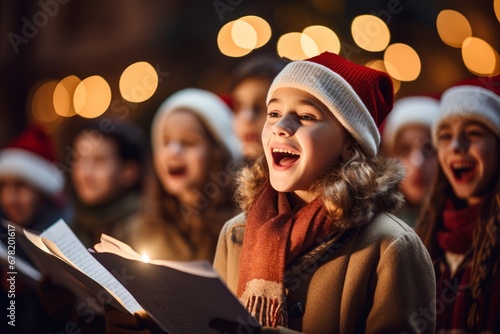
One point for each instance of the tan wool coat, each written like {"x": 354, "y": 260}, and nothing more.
{"x": 377, "y": 279}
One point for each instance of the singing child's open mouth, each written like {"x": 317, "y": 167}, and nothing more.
{"x": 284, "y": 158}
{"x": 463, "y": 171}
{"x": 177, "y": 171}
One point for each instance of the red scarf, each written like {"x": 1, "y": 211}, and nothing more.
{"x": 275, "y": 235}
{"x": 458, "y": 225}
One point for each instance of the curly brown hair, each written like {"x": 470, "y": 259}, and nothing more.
{"x": 353, "y": 191}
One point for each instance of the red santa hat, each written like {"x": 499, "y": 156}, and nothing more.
{"x": 31, "y": 157}
{"x": 358, "y": 96}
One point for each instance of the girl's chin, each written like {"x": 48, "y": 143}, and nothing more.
{"x": 281, "y": 186}
{"x": 177, "y": 189}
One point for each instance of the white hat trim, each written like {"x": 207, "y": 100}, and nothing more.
{"x": 32, "y": 168}
{"x": 472, "y": 102}
{"x": 411, "y": 110}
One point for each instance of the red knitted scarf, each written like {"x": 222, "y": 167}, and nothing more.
{"x": 458, "y": 225}
{"x": 275, "y": 235}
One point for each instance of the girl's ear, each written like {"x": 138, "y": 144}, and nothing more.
{"x": 347, "y": 150}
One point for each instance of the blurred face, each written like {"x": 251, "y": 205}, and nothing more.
{"x": 302, "y": 140}
{"x": 468, "y": 155}
{"x": 249, "y": 99}
{"x": 19, "y": 200}
{"x": 97, "y": 171}
{"x": 413, "y": 146}
{"x": 182, "y": 161}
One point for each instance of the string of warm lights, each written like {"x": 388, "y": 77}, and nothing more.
{"x": 91, "y": 97}
{"x": 238, "y": 38}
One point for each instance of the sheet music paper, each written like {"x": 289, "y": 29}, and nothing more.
{"x": 69, "y": 246}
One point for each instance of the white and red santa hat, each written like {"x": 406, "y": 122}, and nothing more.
{"x": 213, "y": 111}
{"x": 410, "y": 110}
{"x": 477, "y": 99}
{"x": 358, "y": 96}
{"x": 31, "y": 157}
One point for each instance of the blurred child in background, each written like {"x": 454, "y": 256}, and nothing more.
{"x": 460, "y": 222}
{"x": 108, "y": 167}
{"x": 31, "y": 185}
{"x": 31, "y": 195}
{"x": 251, "y": 81}
{"x": 195, "y": 155}
{"x": 407, "y": 136}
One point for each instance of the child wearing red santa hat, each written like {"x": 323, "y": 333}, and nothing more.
{"x": 407, "y": 136}
{"x": 316, "y": 249}
{"x": 31, "y": 185}
{"x": 460, "y": 222}
{"x": 31, "y": 195}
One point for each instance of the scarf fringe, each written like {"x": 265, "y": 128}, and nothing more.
{"x": 266, "y": 302}
{"x": 269, "y": 312}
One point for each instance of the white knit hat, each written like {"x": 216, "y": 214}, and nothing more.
{"x": 358, "y": 96}
{"x": 411, "y": 110}
{"x": 472, "y": 102}
{"x": 212, "y": 110}
{"x": 31, "y": 157}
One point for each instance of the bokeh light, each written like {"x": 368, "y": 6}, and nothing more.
{"x": 261, "y": 27}
{"x": 138, "y": 82}
{"x": 42, "y": 106}
{"x": 238, "y": 38}
{"x": 370, "y": 33}
{"x": 496, "y": 8}
{"x": 309, "y": 46}
{"x": 92, "y": 97}
{"x": 63, "y": 96}
{"x": 244, "y": 34}
{"x": 453, "y": 28}
{"x": 479, "y": 57}
{"x": 226, "y": 44}
{"x": 297, "y": 46}
{"x": 378, "y": 64}
{"x": 325, "y": 38}
{"x": 402, "y": 62}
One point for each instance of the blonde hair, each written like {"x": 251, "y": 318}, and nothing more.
{"x": 486, "y": 233}
{"x": 359, "y": 179}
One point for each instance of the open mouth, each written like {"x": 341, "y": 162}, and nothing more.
{"x": 284, "y": 157}
{"x": 463, "y": 171}
{"x": 177, "y": 171}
